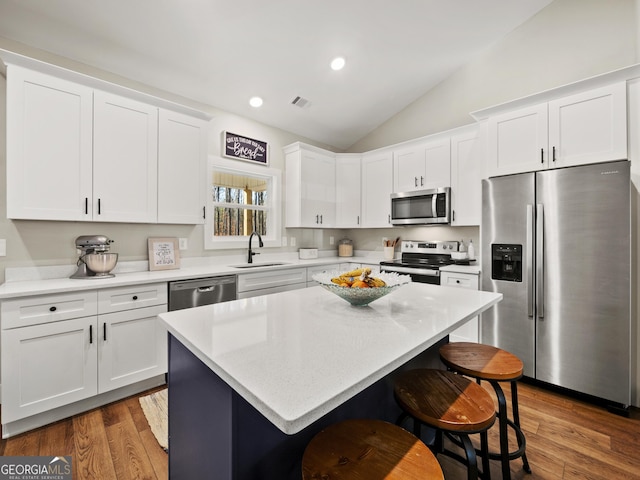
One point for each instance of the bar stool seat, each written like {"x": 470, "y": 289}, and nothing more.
{"x": 368, "y": 449}
{"x": 495, "y": 365}
{"x": 451, "y": 404}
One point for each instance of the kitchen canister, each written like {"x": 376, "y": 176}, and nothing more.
{"x": 345, "y": 248}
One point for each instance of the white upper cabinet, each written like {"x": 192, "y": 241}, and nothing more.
{"x": 467, "y": 166}
{"x": 310, "y": 187}
{"x": 49, "y": 147}
{"x": 578, "y": 129}
{"x": 76, "y": 152}
{"x": 125, "y": 165}
{"x": 423, "y": 165}
{"x": 348, "y": 191}
{"x": 518, "y": 141}
{"x": 182, "y": 157}
{"x": 377, "y": 186}
{"x": 589, "y": 127}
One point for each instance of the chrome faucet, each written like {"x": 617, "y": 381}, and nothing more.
{"x": 251, "y": 254}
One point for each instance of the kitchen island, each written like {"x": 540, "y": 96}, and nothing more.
{"x": 251, "y": 381}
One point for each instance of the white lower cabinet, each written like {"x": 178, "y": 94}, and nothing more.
{"x": 274, "y": 281}
{"x": 132, "y": 347}
{"x": 47, "y": 366}
{"x": 311, "y": 271}
{"x": 65, "y": 348}
{"x": 469, "y": 331}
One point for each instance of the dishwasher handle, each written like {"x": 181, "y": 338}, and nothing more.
{"x": 210, "y": 288}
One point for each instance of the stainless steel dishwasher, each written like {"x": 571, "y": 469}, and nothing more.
{"x": 201, "y": 291}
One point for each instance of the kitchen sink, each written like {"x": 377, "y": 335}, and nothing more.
{"x": 256, "y": 265}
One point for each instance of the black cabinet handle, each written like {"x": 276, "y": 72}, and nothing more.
{"x": 320, "y": 218}
{"x": 104, "y": 331}
{"x": 90, "y": 333}
{"x": 135, "y": 297}
{"x": 86, "y": 205}
{"x": 358, "y": 219}
{"x": 542, "y": 155}
{"x": 415, "y": 181}
{"x": 204, "y": 212}
{"x": 98, "y": 206}
{"x": 421, "y": 181}
{"x": 554, "y": 154}
{"x": 52, "y": 309}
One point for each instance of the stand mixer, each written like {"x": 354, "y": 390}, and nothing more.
{"x": 95, "y": 261}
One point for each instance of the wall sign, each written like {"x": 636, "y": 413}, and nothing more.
{"x": 244, "y": 148}
{"x": 163, "y": 253}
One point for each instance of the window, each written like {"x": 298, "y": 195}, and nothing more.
{"x": 241, "y": 199}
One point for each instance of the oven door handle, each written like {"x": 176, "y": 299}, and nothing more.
{"x": 412, "y": 271}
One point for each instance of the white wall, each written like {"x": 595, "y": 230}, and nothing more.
{"x": 567, "y": 41}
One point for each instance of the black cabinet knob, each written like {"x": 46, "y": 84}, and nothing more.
{"x": 135, "y": 297}
{"x": 52, "y": 309}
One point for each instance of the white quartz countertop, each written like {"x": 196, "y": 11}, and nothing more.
{"x": 191, "y": 269}
{"x": 297, "y": 355}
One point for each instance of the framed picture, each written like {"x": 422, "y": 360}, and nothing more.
{"x": 245, "y": 148}
{"x": 164, "y": 253}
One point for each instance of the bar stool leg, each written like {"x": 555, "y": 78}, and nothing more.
{"x": 516, "y": 420}
{"x": 484, "y": 449}
{"x": 472, "y": 460}
{"x": 502, "y": 424}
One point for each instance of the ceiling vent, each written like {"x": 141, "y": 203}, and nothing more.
{"x": 300, "y": 102}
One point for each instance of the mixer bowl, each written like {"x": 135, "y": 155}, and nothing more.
{"x": 101, "y": 263}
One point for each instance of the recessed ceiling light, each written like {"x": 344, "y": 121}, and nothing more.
{"x": 338, "y": 63}
{"x": 255, "y": 102}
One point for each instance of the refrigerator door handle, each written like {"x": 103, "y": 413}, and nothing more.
{"x": 539, "y": 260}
{"x": 529, "y": 253}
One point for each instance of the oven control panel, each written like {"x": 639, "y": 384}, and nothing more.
{"x": 418, "y": 246}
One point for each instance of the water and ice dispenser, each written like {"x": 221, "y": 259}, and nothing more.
{"x": 506, "y": 262}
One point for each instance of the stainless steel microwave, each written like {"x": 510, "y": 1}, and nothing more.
{"x": 422, "y": 207}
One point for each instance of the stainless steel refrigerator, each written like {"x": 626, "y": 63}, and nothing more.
{"x": 557, "y": 245}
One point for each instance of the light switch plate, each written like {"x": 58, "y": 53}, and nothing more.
{"x": 183, "y": 243}
{"x": 293, "y": 241}
{"x": 284, "y": 241}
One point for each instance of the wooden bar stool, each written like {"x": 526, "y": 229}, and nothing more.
{"x": 454, "y": 406}
{"x": 368, "y": 449}
{"x": 485, "y": 362}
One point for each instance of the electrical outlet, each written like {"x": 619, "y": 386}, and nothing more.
{"x": 183, "y": 243}
{"x": 293, "y": 241}
{"x": 284, "y": 241}
{"x": 331, "y": 242}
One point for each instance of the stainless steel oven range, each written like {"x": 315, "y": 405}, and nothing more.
{"x": 422, "y": 260}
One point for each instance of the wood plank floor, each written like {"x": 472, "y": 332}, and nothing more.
{"x": 566, "y": 439}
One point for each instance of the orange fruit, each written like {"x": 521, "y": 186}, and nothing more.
{"x": 359, "y": 284}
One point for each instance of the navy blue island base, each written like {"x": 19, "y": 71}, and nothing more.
{"x": 215, "y": 434}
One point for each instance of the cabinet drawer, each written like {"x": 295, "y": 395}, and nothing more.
{"x": 311, "y": 271}
{"x": 261, "y": 280}
{"x": 127, "y": 298}
{"x": 459, "y": 280}
{"x": 21, "y": 312}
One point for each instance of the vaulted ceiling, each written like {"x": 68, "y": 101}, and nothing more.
{"x": 222, "y": 52}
